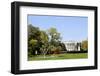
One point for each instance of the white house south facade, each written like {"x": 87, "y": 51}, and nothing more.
{"x": 72, "y": 45}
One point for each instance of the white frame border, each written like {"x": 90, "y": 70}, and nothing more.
{"x": 24, "y": 64}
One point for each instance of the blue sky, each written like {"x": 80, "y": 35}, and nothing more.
{"x": 73, "y": 28}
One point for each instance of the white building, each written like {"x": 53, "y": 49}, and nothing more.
{"x": 72, "y": 45}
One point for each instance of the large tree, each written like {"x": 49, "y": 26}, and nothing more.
{"x": 54, "y": 36}
{"x": 33, "y": 40}
{"x": 33, "y": 32}
{"x": 36, "y": 40}
{"x": 44, "y": 40}
{"x": 84, "y": 45}
{"x": 32, "y": 47}
{"x": 54, "y": 39}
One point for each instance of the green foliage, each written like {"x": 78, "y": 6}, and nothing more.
{"x": 33, "y": 32}
{"x": 43, "y": 42}
{"x": 84, "y": 45}
{"x": 53, "y": 34}
{"x": 44, "y": 37}
{"x": 55, "y": 40}
{"x": 33, "y": 42}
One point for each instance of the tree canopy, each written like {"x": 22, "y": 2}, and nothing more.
{"x": 43, "y": 42}
{"x": 84, "y": 45}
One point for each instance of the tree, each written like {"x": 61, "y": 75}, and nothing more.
{"x": 54, "y": 33}
{"x": 84, "y": 45}
{"x": 63, "y": 47}
{"x": 44, "y": 50}
{"x": 33, "y": 43}
{"x": 44, "y": 37}
{"x": 33, "y": 32}
{"x": 54, "y": 40}
{"x": 54, "y": 36}
{"x": 44, "y": 40}
{"x": 33, "y": 40}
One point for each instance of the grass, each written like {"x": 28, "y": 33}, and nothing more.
{"x": 59, "y": 56}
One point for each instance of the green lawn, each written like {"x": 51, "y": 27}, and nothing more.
{"x": 59, "y": 56}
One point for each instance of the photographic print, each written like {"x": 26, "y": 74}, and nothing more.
{"x": 52, "y": 37}
{"x": 57, "y": 37}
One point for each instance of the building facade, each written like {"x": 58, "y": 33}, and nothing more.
{"x": 72, "y": 45}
